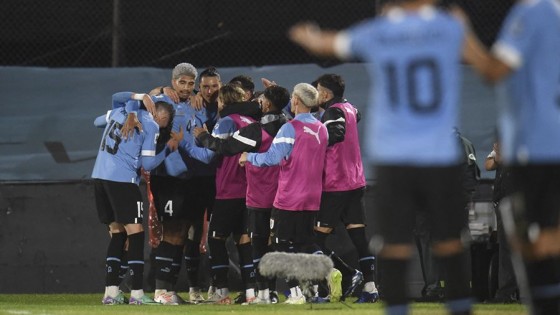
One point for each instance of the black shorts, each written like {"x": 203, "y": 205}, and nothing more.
{"x": 229, "y": 217}
{"x": 259, "y": 222}
{"x": 202, "y": 194}
{"x": 539, "y": 189}
{"x": 402, "y": 191}
{"x": 347, "y": 207}
{"x": 292, "y": 226}
{"x": 118, "y": 202}
{"x": 170, "y": 197}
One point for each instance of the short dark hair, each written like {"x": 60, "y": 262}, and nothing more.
{"x": 277, "y": 95}
{"x": 210, "y": 72}
{"x": 244, "y": 81}
{"x": 165, "y": 133}
{"x": 333, "y": 82}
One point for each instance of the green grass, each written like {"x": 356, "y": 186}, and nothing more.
{"x": 86, "y": 304}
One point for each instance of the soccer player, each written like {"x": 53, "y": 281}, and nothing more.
{"x": 116, "y": 177}
{"x": 525, "y": 55}
{"x": 344, "y": 186}
{"x": 172, "y": 185}
{"x": 299, "y": 148}
{"x": 413, "y": 54}
{"x": 229, "y": 216}
{"x": 262, "y": 182}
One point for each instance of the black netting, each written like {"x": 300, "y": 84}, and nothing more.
{"x": 224, "y": 33}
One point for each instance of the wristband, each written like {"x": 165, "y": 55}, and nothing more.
{"x": 138, "y": 97}
{"x": 161, "y": 90}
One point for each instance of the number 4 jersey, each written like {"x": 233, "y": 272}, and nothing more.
{"x": 413, "y": 58}
{"x": 119, "y": 160}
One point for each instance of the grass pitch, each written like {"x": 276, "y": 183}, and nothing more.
{"x": 90, "y": 304}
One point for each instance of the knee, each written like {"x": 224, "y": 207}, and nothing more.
{"x": 448, "y": 247}
{"x": 396, "y": 251}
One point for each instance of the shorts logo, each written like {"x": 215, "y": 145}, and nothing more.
{"x": 271, "y": 223}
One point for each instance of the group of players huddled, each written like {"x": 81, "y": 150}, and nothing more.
{"x": 282, "y": 184}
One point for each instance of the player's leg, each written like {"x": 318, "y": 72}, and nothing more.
{"x": 169, "y": 195}
{"x": 395, "y": 202}
{"x": 531, "y": 222}
{"x": 259, "y": 232}
{"x": 354, "y": 220}
{"x": 448, "y": 217}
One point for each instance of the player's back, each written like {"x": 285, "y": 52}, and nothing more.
{"x": 119, "y": 160}
{"x": 414, "y": 58}
{"x": 531, "y": 122}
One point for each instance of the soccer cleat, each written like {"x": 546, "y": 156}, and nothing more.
{"x": 196, "y": 297}
{"x": 217, "y": 298}
{"x": 274, "y": 297}
{"x": 167, "y": 298}
{"x": 367, "y": 297}
{"x": 295, "y": 300}
{"x": 256, "y": 300}
{"x": 144, "y": 300}
{"x": 240, "y": 298}
{"x": 357, "y": 279}
{"x": 119, "y": 299}
{"x": 334, "y": 281}
{"x": 177, "y": 298}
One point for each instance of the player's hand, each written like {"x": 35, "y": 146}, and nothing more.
{"x": 173, "y": 95}
{"x": 198, "y": 130}
{"x": 243, "y": 159}
{"x": 131, "y": 123}
{"x": 266, "y": 82}
{"x": 149, "y": 103}
{"x": 304, "y": 34}
{"x": 176, "y": 138}
{"x": 197, "y": 102}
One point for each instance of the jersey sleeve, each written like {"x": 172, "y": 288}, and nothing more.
{"x": 355, "y": 41}
{"x": 224, "y": 128}
{"x": 281, "y": 148}
{"x": 335, "y": 121}
{"x": 516, "y": 36}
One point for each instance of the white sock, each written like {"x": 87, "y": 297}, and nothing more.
{"x": 194, "y": 289}
{"x": 137, "y": 294}
{"x": 295, "y": 292}
{"x": 250, "y": 293}
{"x": 112, "y": 291}
{"x": 369, "y": 287}
{"x": 223, "y": 292}
{"x": 264, "y": 294}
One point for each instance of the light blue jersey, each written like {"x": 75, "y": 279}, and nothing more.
{"x": 414, "y": 61}
{"x": 529, "y": 43}
{"x": 186, "y": 118}
{"x": 119, "y": 160}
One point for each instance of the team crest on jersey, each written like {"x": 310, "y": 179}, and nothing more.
{"x": 313, "y": 133}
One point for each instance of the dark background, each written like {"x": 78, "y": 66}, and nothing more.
{"x": 135, "y": 33}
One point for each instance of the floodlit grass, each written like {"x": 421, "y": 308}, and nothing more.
{"x": 87, "y": 304}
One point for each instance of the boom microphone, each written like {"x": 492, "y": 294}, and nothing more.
{"x": 297, "y": 266}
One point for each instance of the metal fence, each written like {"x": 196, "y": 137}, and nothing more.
{"x": 224, "y": 33}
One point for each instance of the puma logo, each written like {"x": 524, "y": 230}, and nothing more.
{"x": 311, "y": 132}
{"x": 245, "y": 120}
